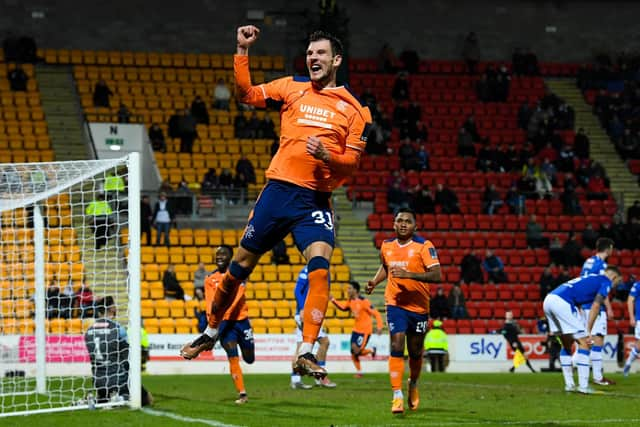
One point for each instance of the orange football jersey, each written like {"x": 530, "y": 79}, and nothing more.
{"x": 417, "y": 256}
{"x": 332, "y": 114}
{"x": 362, "y": 310}
{"x": 238, "y": 309}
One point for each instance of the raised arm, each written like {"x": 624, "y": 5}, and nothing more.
{"x": 340, "y": 306}
{"x": 245, "y": 91}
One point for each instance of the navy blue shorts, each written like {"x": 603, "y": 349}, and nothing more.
{"x": 360, "y": 340}
{"x": 405, "y": 321}
{"x": 238, "y": 331}
{"x": 284, "y": 208}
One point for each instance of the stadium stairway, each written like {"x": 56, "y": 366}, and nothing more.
{"x": 62, "y": 110}
{"x": 623, "y": 183}
{"x": 355, "y": 240}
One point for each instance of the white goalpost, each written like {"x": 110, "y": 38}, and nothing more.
{"x": 69, "y": 285}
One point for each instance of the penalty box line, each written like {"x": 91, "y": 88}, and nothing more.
{"x": 178, "y": 417}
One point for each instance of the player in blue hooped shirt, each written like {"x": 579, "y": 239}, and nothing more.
{"x": 633, "y": 304}
{"x": 596, "y": 264}
{"x": 561, "y": 308}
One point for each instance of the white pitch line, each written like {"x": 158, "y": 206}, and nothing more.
{"x": 178, "y": 417}
{"x": 607, "y": 392}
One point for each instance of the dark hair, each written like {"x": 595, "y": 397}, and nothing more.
{"x": 106, "y": 303}
{"x": 614, "y": 269}
{"x": 336, "y": 44}
{"x": 355, "y": 285}
{"x": 603, "y": 243}
{"x": 406, "y": 210}
{"x": 227, "y": 248}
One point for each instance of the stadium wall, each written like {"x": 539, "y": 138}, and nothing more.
{"x": 556, "y": 30}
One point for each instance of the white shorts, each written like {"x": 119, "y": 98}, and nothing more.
{"x": 599, "y": 326}
{"x": 563, "y": 317}
{"x": 321, "y": 334}
{"x": 638, "y": 329}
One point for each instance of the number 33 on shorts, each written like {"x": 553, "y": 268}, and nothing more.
{"x": 323, "y": 217}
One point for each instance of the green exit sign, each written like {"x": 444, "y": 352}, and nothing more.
{"x": 114, "y": 141}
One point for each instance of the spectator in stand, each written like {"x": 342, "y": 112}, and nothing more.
{"x": 518, "y": 62}
{"x": 182, "y": 199}
{"x": 279, "y": 254}
{"x": 628, "y": 145}
{"x": 491, "y": 200}
{"x": 101, "y": 94}
{"x": 581, "y": 144}
{"x": 569, "y": 197}
{"x": 241, "y": 188}
{"x": 471, "y": 268}
{"x": 199, "y": 111}
{"x": 173, "y": 125}
{"x": 401, "y": 118}
{"x": 84, "y": 300}
{"x": 494, "y": 267}
{"x": 439, "y": 305}
{"x": 572, "y": 249}
{"x": 447, "y": 200}
{"x": 165, "y": 187}
{"x": 198, "y": 277}
{"x": 515, "y": 200}
{"x": 532, "y": 173}
{"x": 422, "y": 157}
{"x": 245, "y": 167}
{"x": 535, "y": 238}
{"x": 253, "y": 126}
{"x": 547, "y": 282}
{"x": 156, "y": 137}
{"x": 566, "y": 159}
{"x": 267, "y": 128}
{"x": 53, "y": 299}
{"x": 486, "y": 161}
{"x": 146, "y": 217}
{"x": 619, "y": 232}
{"x": 465, "y": 144}
{"x": 471, "y": 52}
{"x": 188, "y": 131}
{"x": 556, "y": 251}
{"x": 531, "y": 63}
{"x": 225, "y": 184}
{"x": 124, "y": 115}
{"x": 163, "y": 217}
{"x": 400, "y": 90}
{"x": 17, "y": 79}
{"x": 397, "y": 198}
{"x": 633, "y": 233}
{"x": 376, "y": 142}
{"x": 633, "y": 212}
{"x": 605, "y": 230}
{"x": 172, "y": 288}
{"x": 418, "y": 131}
{"x": 422, "y": 200}
{"x": 589, "y": 236}
{"x": 209, "y": 182}
{"x": 524, "y": 115}
{"x": 457, "y": 305}
{"x": 502, "y": 85}
{"x": 408, "y": 156}
{"x": 596, "y": 189}
{"x": 240, "y": 126}
{"x": 386, "y": 59}
{"x": 471, "y": 128}
{"x": 483, "y": 89}
{"x": 221, "y": 96}
{"x": 564, "y": 276}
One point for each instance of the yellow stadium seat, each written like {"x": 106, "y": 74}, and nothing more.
{"x": 151, "y": 325}
{"x": 333, "y": 326}
{"x": 267, "y": 309}
{"x": 283, "y": 309}
{"x": 176, "y": 308}
{"x": 260, "y": 290}
{"x": 347, "y": 324}
{"x": 26, "y": 326}
{"x": 289, "y": 288}
{"x": 74, "y": 326}
{"x": 253, "y": 307}
{"x": 259, "y": 326}
{"x": 57, "y": 326}
{"x": 276, "y": 291}
{"x": 146, "y": 308}
{"x": 183, "y": 326}
{"x": 23, "y": 308}
{"x": 156, "y": 290}
{"x": 167, "y": 326}
{"x": 162, "y": 308}
{"x": 274, "y": 326}
{"x": 9, "y": 326}
{"x": 288, "y": 326}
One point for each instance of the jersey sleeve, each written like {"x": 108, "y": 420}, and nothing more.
{"x": 258, "y": 95}
{"x": 635, "y": 290}
{"x": 359, "y": 126}
{"x": 604, "y": 289}
{"x": 376, "y": 314}
{"x": 429, "y": 255}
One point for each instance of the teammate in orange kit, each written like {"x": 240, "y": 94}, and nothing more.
{"x": 323, "y": 133}
{"x": 235, "y": 329}
{"x": 409, "y": 263}
{"x": 363, "y": 312}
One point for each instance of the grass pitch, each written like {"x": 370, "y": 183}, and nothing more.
{"x": 446, "y": 400}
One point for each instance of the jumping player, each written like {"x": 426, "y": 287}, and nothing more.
{"x": 409, "y": 263}
{"x": 363, "y": 312}
{"x": 235, "y": 329}
{"x": 596, "y": 264}
{"x": 323, "y": 133}
{"x": 560, "y": 308}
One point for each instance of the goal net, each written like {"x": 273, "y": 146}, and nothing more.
{"x": 69, "y": 285}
